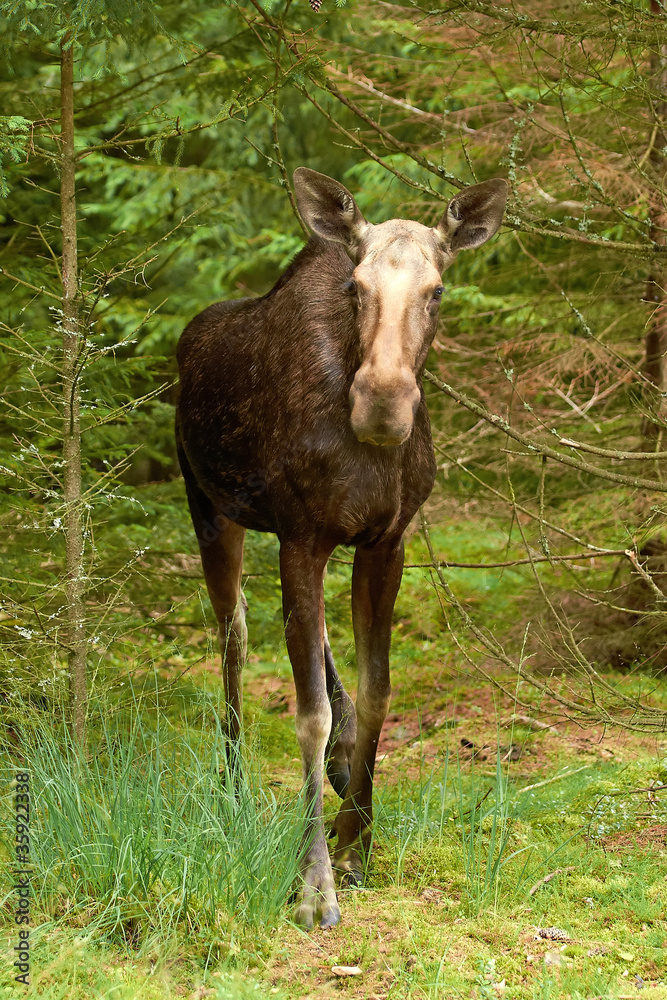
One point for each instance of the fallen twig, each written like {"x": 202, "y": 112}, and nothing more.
{"x": 548, "y": 878}
{"x": 549, "y": 781}
{"x": 528, "y": 720}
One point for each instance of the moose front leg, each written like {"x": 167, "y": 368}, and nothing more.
{"x": 376, "y": 578}
{"x": 302, "y": 573}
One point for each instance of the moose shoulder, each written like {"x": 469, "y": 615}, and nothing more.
{"x": 302, "y": 413}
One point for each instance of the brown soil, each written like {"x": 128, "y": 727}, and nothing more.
{"x": 650, "y": 838}
{"x": 477, "y": 718}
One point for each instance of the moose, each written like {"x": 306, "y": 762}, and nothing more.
{"x": 302, "y": 413}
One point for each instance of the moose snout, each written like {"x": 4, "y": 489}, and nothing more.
{"x": 382, "y": 409}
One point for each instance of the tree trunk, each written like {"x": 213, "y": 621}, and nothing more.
{"x": 655, "y": 364}
{"x": 74, "y": 543}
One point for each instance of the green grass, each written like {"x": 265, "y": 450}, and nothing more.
{"x": 154, "y": 879}
{"x": 146, "y": 837}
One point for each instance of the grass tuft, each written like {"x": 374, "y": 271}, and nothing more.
{"x": 149, "y": 832}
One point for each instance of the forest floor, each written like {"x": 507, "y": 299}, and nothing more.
{"x": 518, "y": 854}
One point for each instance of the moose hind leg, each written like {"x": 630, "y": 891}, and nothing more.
{"x": 233, "y": 636}
{"x": 340, "y": 745}
{"x": 221, "y": 551}
{"x": 223, "y": 563}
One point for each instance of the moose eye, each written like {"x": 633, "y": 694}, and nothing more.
{"x": 437, "y": 294}
{"x": 350, "y": 287}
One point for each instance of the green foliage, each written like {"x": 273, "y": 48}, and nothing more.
{"x": 75, "y": 20}
{"x": 486, "y": 833}
{"x": 165, "y": 228}
{"x": 149, "y": 833}
{"x": 14, "y": 132}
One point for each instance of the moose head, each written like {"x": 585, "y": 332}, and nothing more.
{"x": 396, "y": 290}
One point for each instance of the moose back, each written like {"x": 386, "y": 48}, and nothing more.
{"x": 302, "y": 413}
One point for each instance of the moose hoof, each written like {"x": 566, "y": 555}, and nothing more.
{"x": 349, "y": 867}
{"x": 308, "y": 911}
{"x": 352, "y": 878}
{"x": 331, "y": 917}
{"x": 317, "y": 902}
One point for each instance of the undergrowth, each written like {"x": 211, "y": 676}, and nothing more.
{"x": 147, "y": 834}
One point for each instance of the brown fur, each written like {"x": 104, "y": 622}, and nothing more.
{"x": 302, "y": 413}
{"x": 263, "y": 418}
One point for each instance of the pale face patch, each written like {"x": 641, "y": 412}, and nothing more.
{"x": 399, "y": 269}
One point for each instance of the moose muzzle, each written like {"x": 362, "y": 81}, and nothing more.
{"x": 383, "y": 405}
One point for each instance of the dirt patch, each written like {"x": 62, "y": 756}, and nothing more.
{"x": 274, "y": 694}
{"x": 467, "y": 720}
{"x": 479, "y": 722}
{"x": 650, "y": 838}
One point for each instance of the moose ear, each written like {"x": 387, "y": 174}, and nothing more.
{"x": 328, "y": 208}
{"x": 473, "y": 215}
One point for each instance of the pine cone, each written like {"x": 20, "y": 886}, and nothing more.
{"x": 552, "y": 934}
